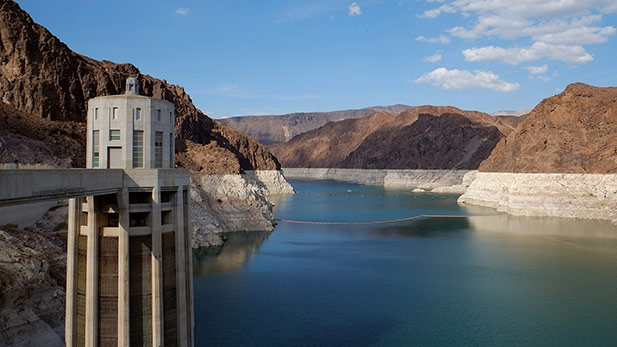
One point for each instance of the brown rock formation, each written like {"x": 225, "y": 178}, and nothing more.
{"x": 573, "y": 132}
{"x": 426, "y": 137}
{"x": 276, "y": 129}
{"x": 32, "y": 140}
{"x": 40, "y": 75}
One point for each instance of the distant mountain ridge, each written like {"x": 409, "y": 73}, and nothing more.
{"x": 271, "y": 129}
{"x": 424, "y": 137}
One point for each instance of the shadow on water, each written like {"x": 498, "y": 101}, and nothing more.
{"x": 238, "y": 249}
{"x": 428, "y": 227}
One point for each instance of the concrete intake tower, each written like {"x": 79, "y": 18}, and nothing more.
{"x": 129, "y": 260}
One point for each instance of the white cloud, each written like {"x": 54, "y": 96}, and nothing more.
{"x": 576, "y": 31}
{"x": 576, "y": 35}
{"x": 436, "y": 12}
{"x": 183, "y": 11}
{"x": 570, "y": 54}
{"x": 537, "y": 70}
{"x": 355, "y": 9}
{"x": 444, "y": 40}
{"x": 558, "y": 28}
{"x": 432, "y": 58}
{"x": 535, "y": 8}
{"x": 466, "y": 80}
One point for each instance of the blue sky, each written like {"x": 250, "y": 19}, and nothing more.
{"x": 240, "y": 57}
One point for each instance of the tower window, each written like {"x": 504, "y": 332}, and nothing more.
{"x": 96, "y": 113}
{"x": 158, "y": 115}
{"x": 138, "y": 113}
{"x": 138, "y": 148}
{"x": 114, "y": 113}
{"x": 95, "y": 148}
{"x": 158, "y": 149}
{"x": 114, "y": 135}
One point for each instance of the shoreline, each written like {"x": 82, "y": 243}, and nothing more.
{"x": 582, "y": 196}
{"x": 563, "y": 195}
{"x": 436, "y": 181}
{"x": 223, "y": 203}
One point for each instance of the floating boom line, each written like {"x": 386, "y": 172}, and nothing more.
{"x": 376, "y": 222}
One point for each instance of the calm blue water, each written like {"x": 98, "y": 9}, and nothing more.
{"x": 487, "y": 280}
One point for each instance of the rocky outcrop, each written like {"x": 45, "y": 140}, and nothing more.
{"x": 33, "y": 268}
{"x": 573, "y": 132}
{"x": 438, "y": 181}
{"x": 425, "y": 137}
{"x": 276, "y": 129}
{"x": 224, "y": 203}
{"x": 587, "y": 196}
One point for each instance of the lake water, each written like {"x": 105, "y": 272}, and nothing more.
{"x": 491, "y": 279}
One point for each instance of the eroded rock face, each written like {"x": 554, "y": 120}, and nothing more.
{"x": 587, "y": 196}
{"x": 224, "y": 203}
{"x": 426, "y": 137}
{"x": 41, "y": 76}
{"x": 573, "y": 132}
{"x": 32, "y": 285}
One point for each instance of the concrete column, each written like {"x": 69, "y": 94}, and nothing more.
{"x": 157, "y": 269}
{"x": 123, "y": 268}
{"x": 181, "y": 267}
{"x": 92, "y": 272}
{"x": 71, "y": 271}
{"x": 189, "y": 260}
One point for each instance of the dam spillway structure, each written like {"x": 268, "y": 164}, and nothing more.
{"x": 129, "y": 260}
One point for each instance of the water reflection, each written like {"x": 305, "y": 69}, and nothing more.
{"x": 544, "y": 226}
{"x": 238, "y": 249}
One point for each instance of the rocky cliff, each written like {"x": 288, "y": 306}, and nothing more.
{"x": 573, "y": 132}
{"x": 425, "y": 137}
{"x": 276, "y": 129}
{"x": 41, "y": 76}
{"x": 560, "y": 161}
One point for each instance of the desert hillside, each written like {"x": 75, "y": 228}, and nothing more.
{"x": 425, "y": 137}
{"x": 573, "y": 132}
{"x": 276, "y": 129}
{"x": 41, "y": 77}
